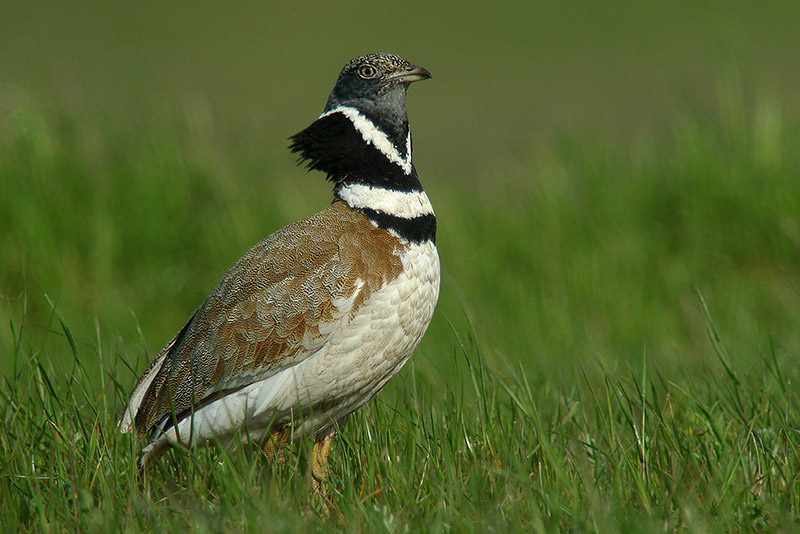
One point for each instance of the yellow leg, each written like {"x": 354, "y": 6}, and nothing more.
{"x": 273, "y": 446}
{"x": 319, "y": 465}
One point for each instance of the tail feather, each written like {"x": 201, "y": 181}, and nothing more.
{"x": 126, "y": 422}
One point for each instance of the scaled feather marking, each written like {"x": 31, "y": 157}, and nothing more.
{"x": 318, "y": 382}
{"x": 227, "y": 345}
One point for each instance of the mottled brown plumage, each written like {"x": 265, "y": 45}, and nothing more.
{"x": 274, "y": 306}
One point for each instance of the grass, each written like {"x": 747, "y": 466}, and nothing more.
{"x": 614, "y": 348}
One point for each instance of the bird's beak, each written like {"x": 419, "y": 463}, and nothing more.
{"x": 414, "y": 73}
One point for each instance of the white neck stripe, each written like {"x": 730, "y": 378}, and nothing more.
{"x": 405, "y": 204}
{"x": 374, "y": 136}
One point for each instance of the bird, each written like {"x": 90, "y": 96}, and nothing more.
{"x": 314, "y": 320}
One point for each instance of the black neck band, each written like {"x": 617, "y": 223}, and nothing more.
{"x": 417, "y": 229}
{"x": 333, "y": 145}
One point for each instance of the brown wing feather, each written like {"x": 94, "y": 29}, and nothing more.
{"x": 266, "y": 313}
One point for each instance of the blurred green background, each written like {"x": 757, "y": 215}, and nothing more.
{"x": 594, "y": 165}
{"x": 506, "y": 73}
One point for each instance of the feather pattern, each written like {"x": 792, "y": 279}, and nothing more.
{"x": 275, "y": 307}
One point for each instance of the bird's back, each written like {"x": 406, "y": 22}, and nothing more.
{"x": 332, "y": 288}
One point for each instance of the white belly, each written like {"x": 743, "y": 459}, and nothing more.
{"x": 360, "y": 357}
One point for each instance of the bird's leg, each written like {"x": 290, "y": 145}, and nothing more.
{"x": 274, "y": 445}
{"x": 319, "y": 465}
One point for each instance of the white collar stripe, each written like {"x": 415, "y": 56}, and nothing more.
{"x": 375, "y": 137}
{"x": 404, "y": 204}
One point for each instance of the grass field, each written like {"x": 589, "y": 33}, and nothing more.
{"x": 615, "y": 347}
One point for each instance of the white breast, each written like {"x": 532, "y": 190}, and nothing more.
{"x": 381, "y": 335}
{"x": 359, "y": 359}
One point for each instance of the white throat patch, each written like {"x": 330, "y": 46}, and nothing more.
{"x": 404, "y": 204}
{"x": 375, "y": 137}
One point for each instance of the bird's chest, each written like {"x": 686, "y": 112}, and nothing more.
{"x": 378, "y": 337}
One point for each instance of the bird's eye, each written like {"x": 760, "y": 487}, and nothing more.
{"x": 367, "y": 72}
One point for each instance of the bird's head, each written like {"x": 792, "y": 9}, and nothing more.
{"x": 375, "y": 81}
{"x": 363, "y": 134}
